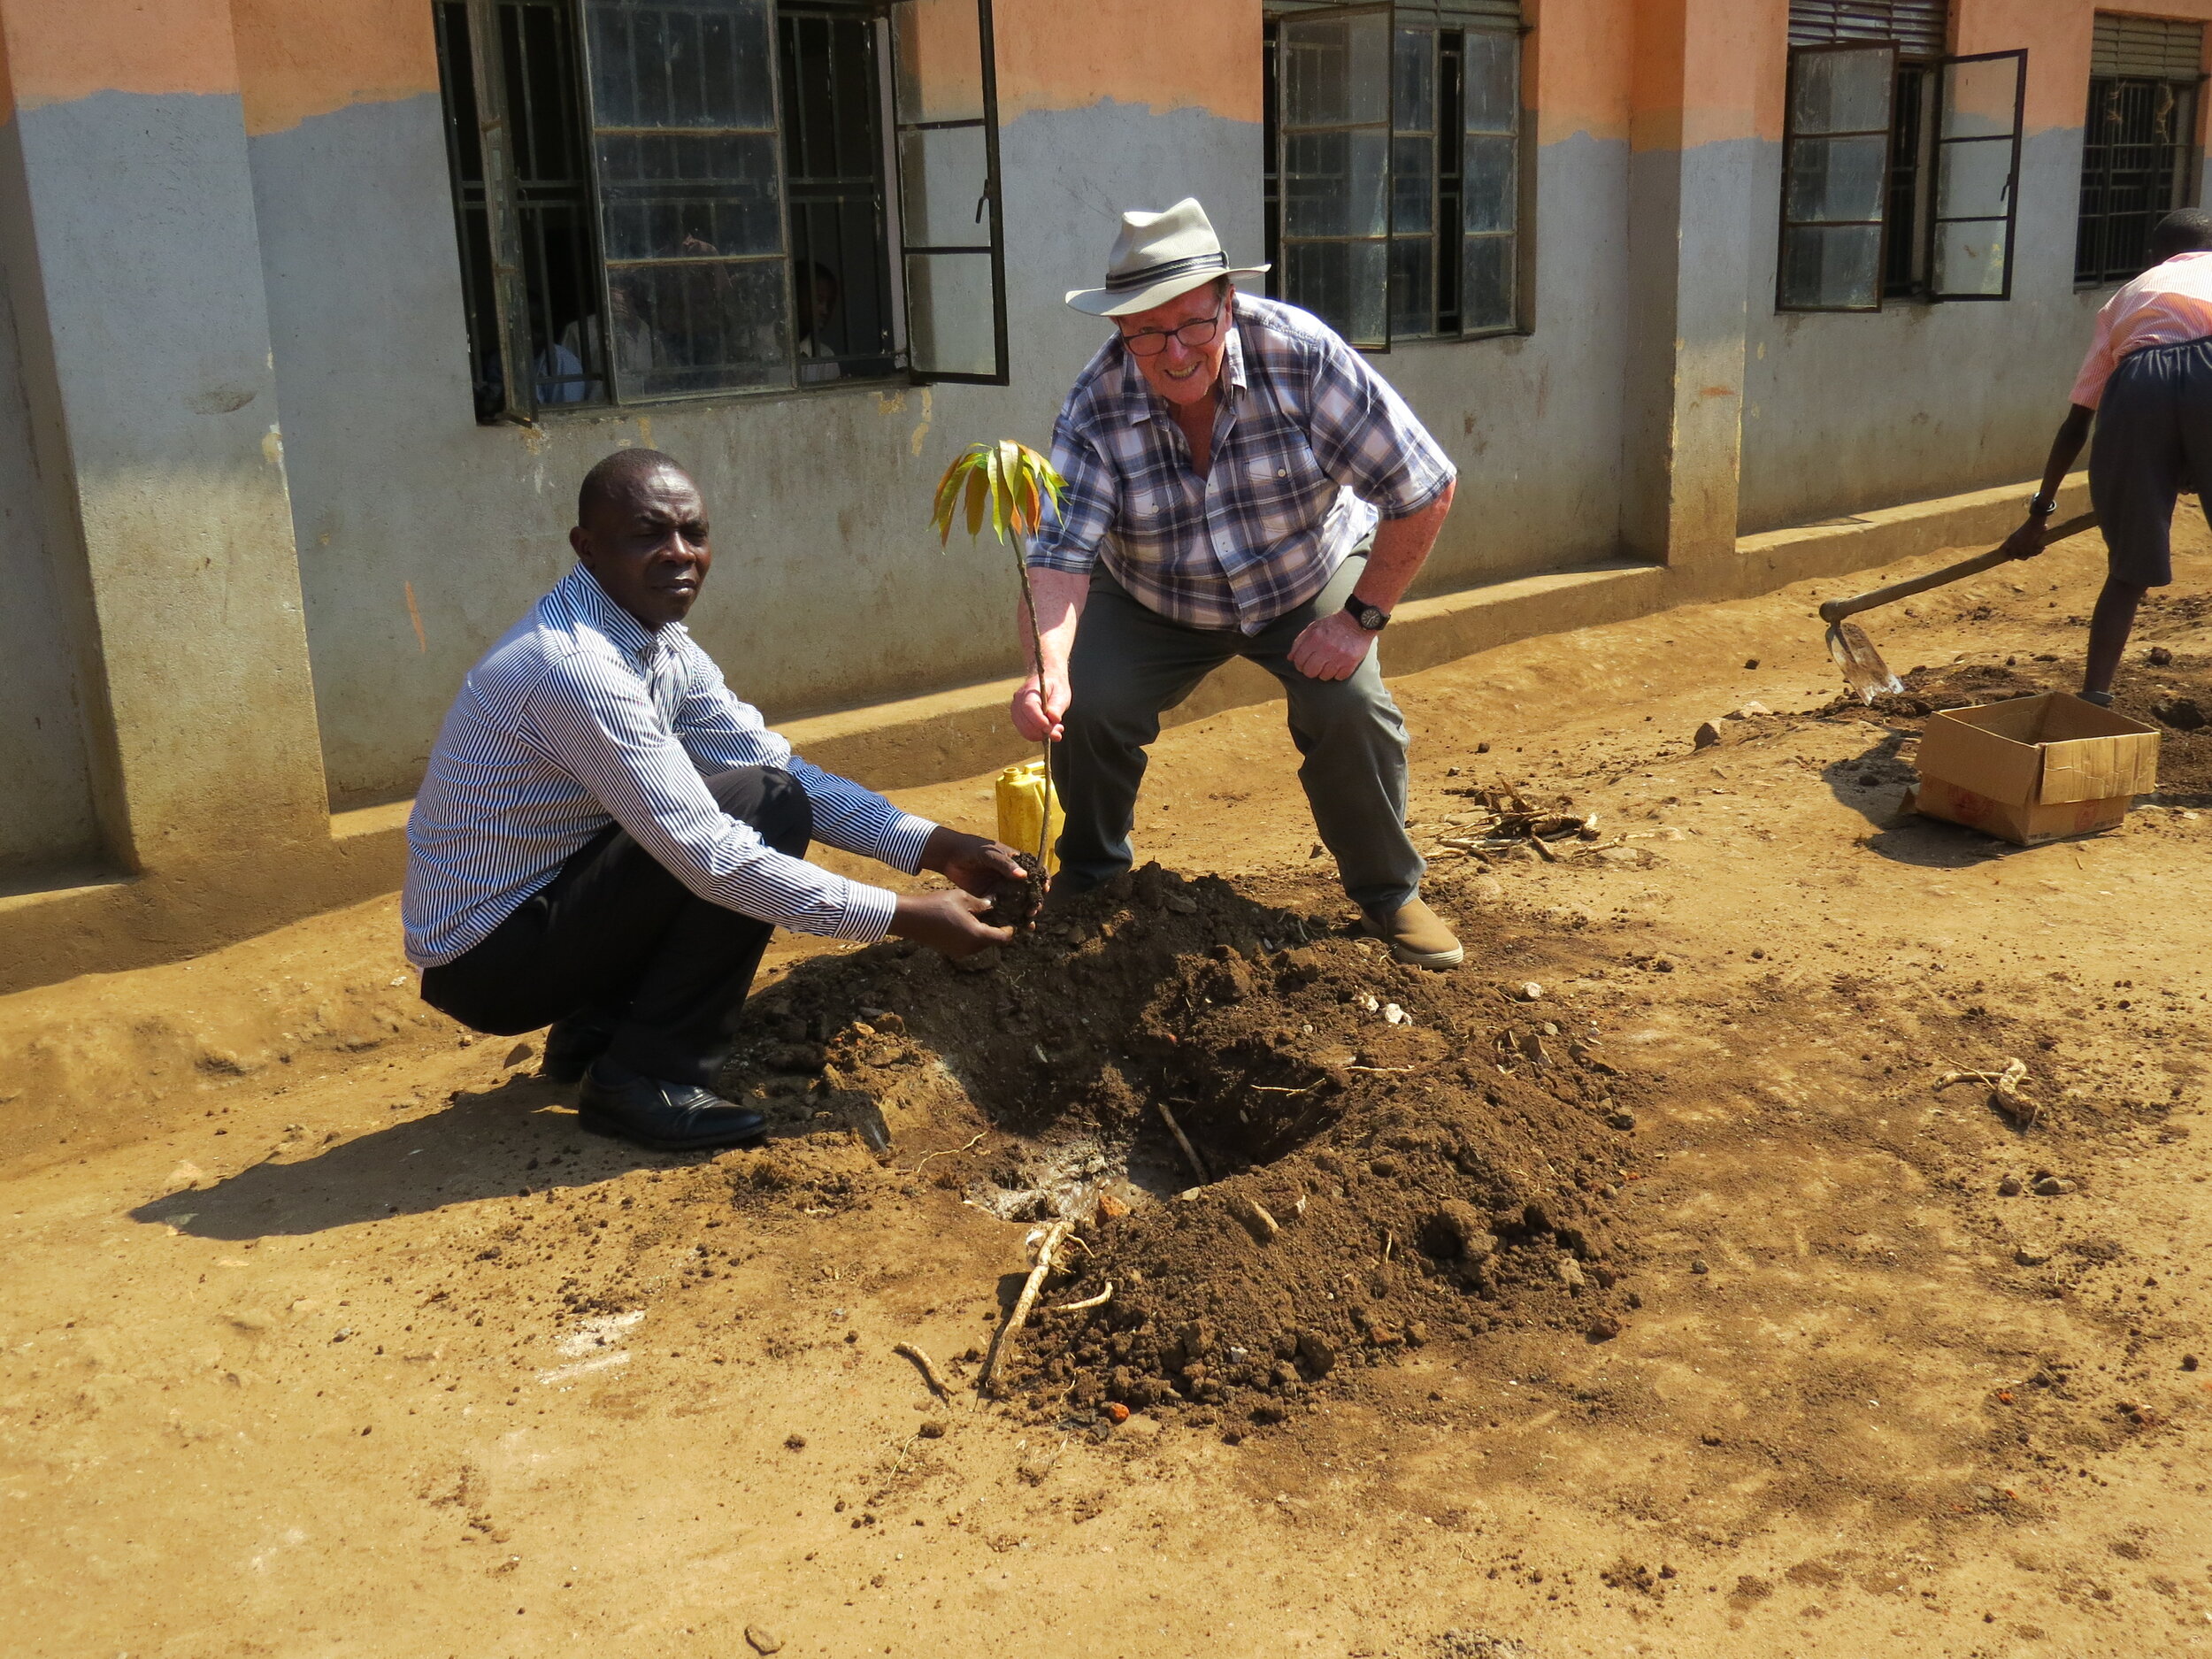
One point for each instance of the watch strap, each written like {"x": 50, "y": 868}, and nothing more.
{"x": 2042, "y": 506}
{"x": 1374, "y": 619}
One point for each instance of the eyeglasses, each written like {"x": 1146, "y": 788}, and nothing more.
{"x": 1200, "y": 331}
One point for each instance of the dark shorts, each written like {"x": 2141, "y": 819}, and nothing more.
{"x": 2154, "y": 440}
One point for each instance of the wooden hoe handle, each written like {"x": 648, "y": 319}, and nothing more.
{"x": 1836, "y": 610}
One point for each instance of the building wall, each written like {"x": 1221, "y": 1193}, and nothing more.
{"x": 1845, "y": 412}
{"x": 46, "y": 810}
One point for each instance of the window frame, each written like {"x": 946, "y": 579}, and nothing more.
{"x": 502, "y": 325}
{"x": 1791, "y": 138}
{"x": 1929, "y": 207}
{"x": 2187, "y": 177}
{"x": 1432, "y": 20}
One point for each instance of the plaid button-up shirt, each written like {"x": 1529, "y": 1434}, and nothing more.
{"x": 1308, "y": 443}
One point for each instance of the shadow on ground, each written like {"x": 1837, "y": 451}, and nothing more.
{"x": 518, "y": 1138}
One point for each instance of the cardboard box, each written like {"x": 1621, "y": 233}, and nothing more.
{"x": 2035, "y": 769}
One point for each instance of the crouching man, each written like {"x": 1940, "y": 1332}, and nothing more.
{"x": 607, "y": 836}
{"x": 1240, "y": 483}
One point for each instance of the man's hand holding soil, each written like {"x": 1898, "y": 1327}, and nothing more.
{"x": 952, "y": 922}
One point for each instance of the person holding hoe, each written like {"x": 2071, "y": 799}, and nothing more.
{"x": 2146, "y": 384}
{"x": 1239, "y": 483}
{"x": 606, "y": 836}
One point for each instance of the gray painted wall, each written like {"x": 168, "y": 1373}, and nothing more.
{"x": 46, "y": 809}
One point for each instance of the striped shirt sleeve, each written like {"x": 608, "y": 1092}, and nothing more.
{"x": 607, "y": 733}
{"x": 718, "y": 729}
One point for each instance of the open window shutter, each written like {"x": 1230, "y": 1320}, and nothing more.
{"x": 951, "y": 230}
{"x": 690, "y": 182}
{"x": 1334, "y": 96}
{"x": 1836, "y": 178}
{"x": 511, "y": 295}
{"x": 1491, "y": 182}
{"x": 1978, "y": 175}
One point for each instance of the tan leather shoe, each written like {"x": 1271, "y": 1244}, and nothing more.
{"x": 1416, "y": 936}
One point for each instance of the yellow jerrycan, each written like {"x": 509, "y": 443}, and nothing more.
{"x": 1028, "y": 804}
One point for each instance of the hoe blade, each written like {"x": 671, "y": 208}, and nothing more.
{"x": 1863, "y": 669}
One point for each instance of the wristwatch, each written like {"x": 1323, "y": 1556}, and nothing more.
{"x": 1367, "y": 616}
{"x": 2042, "y": 506}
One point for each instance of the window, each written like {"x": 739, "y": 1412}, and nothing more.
{"x": 2139, "y": 149}
{"x": 670, "y": 199}
{"x": 1900, "y": 173}
{"x": 1394, "y": 166}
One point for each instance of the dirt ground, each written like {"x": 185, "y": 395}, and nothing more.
{"x": 1746, "y": 1340}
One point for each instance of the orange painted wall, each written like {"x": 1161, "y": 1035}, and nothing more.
{"x": 1163, "y": 54}
{"x": 53, "y": 51}
{"x": 299, "y": 58}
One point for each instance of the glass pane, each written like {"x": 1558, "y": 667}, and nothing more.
{"x": 704, "y": 64}
{"x": 1835, "y": 180}
{"x": 1975, "y": 176}
{"x": 943, "y": 173}
{"x": 1333, "y": 184}
{"x": 1487, "y": 265}
{"x": 1493, "y": 181}
{"x": 1412, "y": 285}
{"x": 1971, "y": 257}
{"x": 1415, "y": 68}
{"x": 938, "y": 47}
{"x": 699, "y": 327}
{"x": 672, "y": 196}
{"x": 1841, "y": 91}
{"x": 1344, "y": 283}
{"x": 1831, "y": 267}
{"x": 1981, "y": 99}
{"x": 949, "y": 313}
{"x": 1336, "y": 70}
{"x": 1413, "y": 183}
{"x": 1494, "y": 82}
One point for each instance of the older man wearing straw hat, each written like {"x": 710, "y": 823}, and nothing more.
{"x": 1240, "y": 483}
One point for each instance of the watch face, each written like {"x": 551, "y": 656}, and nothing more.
{"x": 1370, "y": 619}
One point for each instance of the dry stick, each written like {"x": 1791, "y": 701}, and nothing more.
{"x": 907, "y": 1350}
{"x": 1099, "y": 1301}
{"x": 944, "y": 1152}
{"x": 1003, "y": 1344}
{"x": 1183, "y": 1141}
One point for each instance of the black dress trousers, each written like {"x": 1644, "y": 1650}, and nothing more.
{"x": 617, "y": 936}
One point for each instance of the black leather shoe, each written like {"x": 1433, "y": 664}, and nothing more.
{"x": 575, "y": 1043}
{"x": 667, "y": 1117}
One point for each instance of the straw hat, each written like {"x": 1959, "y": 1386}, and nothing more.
{"x": 1157, "y": 256}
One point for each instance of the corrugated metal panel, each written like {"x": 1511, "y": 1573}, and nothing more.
{"x": 1920, "y": 28}
{"x": 2151, "y": 48}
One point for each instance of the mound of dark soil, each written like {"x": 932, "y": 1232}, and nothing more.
{"x": 1390, "y": 1154}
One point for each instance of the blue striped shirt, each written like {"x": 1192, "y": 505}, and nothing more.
{"x": 1308, "y": 443}
{"x": 582, "y": 716}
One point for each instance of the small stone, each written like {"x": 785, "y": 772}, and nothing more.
{"x": 794, "y": 1442}
{"x": 1182, "y": 904}
{"x": 2009, "y": 1187}
{"x": 1394, "y": 1015}
{"x": 1697, "y": 1265}
{"x": 2188, "y": 1362}
{"x": 988, "y": 958}
{"x": 1750, "y": 709}
{"x": 1622, "y": 1120}
{"x": 1604, "y": 1328}
{"x": 1482, "y": 749}
{"x": 763, "y": 1640}
{"x": 1114, "y": 1411}
{"x": 2032, "y": 1255}
{"x": 1750, "y": 662}
{"x": 1318, "y": 1352}
{"x": 1569, "y": 1272}
{"x": 1528, "y": 991}
{"x": 1706, "y": 735}
{"x": 1110, "y": 1208}
{"x": 2159, "y": 656}
{"x": 2053, "y": 1187}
